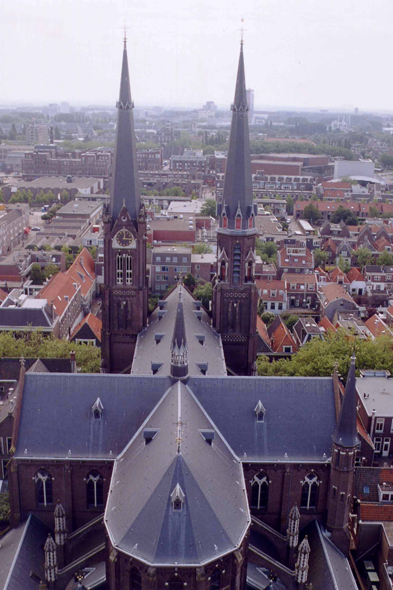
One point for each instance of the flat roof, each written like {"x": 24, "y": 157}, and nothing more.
{"x": 55, "y": 182}
{"x": 79, "y": 208}
{"x": 379, "y": 394}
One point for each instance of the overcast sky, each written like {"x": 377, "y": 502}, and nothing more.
{"x": 300, "y": 53}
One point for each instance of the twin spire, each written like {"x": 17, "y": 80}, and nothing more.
{"x": 345, "y": 434}
{"x": 125, "y": 181}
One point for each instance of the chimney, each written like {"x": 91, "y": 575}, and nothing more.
{"x": 73, "y": 361}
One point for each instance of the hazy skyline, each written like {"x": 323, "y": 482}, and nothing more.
{"x": 299, "y": 53}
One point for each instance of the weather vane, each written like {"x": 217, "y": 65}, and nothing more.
{"x": 125, "y": 31}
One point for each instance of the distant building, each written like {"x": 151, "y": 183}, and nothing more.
{"x": 149, "y": 159}
{"x": 250, "y": 102}
{"x": 36, "y": 134}
{"x": 353, "y": 168}
{"x": 168, "y": 266}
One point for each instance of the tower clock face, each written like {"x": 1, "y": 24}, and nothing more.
{"x": 124, "y": 239}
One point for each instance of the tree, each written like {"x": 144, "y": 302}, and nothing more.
{"x": 261, "y": 308}
{"x": 202, "y": 248}
{"x": 386, "y": 160}
{"x": 189, "y": 280}
{"x": 36, "y": 274}
{"x": 385, "y": 259}
{"x": 311, "y": 213}
{"x": 320, "y": 257}
{"x": 204, "y": 292}
{"x": 363, "y": 256}
{"x": 290, "y": 205}
{"x": 57, "y": 133}
{"x": 289, "y": 319}
{"x": 69, "y": 257}
{"x": 373, "y": 211}
{"x": 268, "y": 317}
{"x": 50, "y": 270}
{"x": 266, "y": 250}
{"x": 318, "y": 357}
{"x": 342, "y": 214}
{"x": 343, "y": 265}
{"x": 209, "y": 208}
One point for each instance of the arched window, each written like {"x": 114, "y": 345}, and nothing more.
{"x": 44, "y": 488}
{"x": 259, "y": 490}
{"x": 310, "y": 491}
{"x": 251, "y": 222}
{"x": 94, "y": 489}
{"x": 238, "y": 222}
{"x": 224, "y": 221}
{"x": 215, "y": 580}
{"x": 175, "y": 584}
{"x": 135, "y": 579}
{"x": 119, "y": 269}
{"x": 223, "y": 270}
{"x": 128, "y": 269}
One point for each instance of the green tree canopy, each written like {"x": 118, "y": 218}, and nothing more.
{"x": 320, "y": 257}
{"x": 342, "y": 214}
{"x": 202, "y": 248}
{"x": 266, "y": 250}
{"x": 385, "y": 258}
{"x": 318, "y": 357}
{"x": 204, "y": 292}
{"x": 35, "y": 344}
{"x": 189, "y": 280}
{"x": 363, "y": 256}
{"x": 209, "y": 208}
{"x": 311, "y": 213}
{"x": 290, "y": 204}
{"x": 268, "y": 317}
{"x": 36, "y": 274}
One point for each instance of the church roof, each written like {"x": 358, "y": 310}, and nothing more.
{"x": 345, "y": 433}
{"x": 57, "y": 419}
{"x": 292, "y": 405}
{"x": 237, "y": 195}
{"x": 125, "y": 182}
{"x": 212, "y": 517}
{"x": 204, "y": 347}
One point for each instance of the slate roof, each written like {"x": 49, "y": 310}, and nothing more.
{"x": 238, "y": 180}
{"x": 125, "y": 182}
{"x": 345, "y": 434}
{"x": 22, "y": 317}
{"x": 60, "y": 405}
{"x": 214, "y": 516}
{"x": 29, "y": 555}
{"x": 154, "y": 342}
{"x": 292, "y": 405}
{"x": 329, "y": 569}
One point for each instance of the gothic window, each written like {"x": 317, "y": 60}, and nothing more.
{"x": 135, "y": 579}
{"x": 259, "y": 490}
{"x": 44, "y": 488}
{"x": 238, "y": 222}
{"x": 175, "y": 584}
{"x": 223, "y": 270}
{"x": 310, "y": 491}
{"x": 119, "y": 269}
{"x": 236, "y": 263}
{"x": 249, "y": 272}
{"x": 250, "y": 222}
{"x": 215, "y": 580}
{"x": 94, "y": 489}
{"x": 128, "y": 269}
{"x": 224, "y": 221}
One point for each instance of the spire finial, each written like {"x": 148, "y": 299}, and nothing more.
{"x": 125, "y": 33}
{"x": 242, "y": 33}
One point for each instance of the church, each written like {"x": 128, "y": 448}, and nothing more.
{"x": 163, "y": 472}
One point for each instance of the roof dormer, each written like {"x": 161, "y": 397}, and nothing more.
{"x": 260, "y": 411}
{"x": 97, "y": 409}
{"x": 177, "y": 497}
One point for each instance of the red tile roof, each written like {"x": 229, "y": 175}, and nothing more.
{"x": 282, "y": 337}
{"x": 300, "y": 278}
{"x": 327, "y": 324}
{"x": 60, "y": 290}
{"x": 94, "y": 323}
{"x": 355, "y": 275}
{"x": 3, "y": 295}
{"x": 330, "y": 244}
{"x": 338, "y": 273}
{"x": 262, "y": 330}
{"x": 334, "y": 291}
{"x": 377, "y": 326}
{"x": 381, "y": 244}
{"x": 82, "y": 271}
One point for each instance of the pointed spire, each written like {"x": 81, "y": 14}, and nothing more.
{"x": 60, "y": 525}
{"x": 179, "y": 348}
{"x": 302, "y": 562}
{"x": 293, "y": 526}
{"x": 50, "y": 559}
{"x": 345, "y": 434}
{"x": 238, "y": 196}
{"x": 125, "y": 182}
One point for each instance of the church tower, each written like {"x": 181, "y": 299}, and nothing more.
{"x": 125, "y": 297}
{"x": 345, "y": 442}
{"x": 235, "y": 295}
